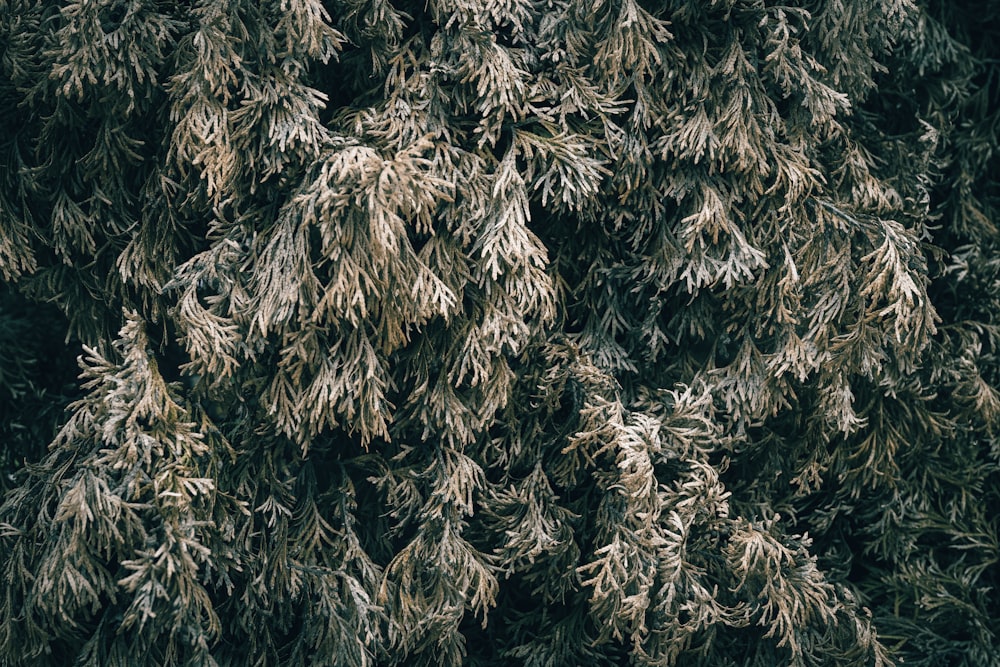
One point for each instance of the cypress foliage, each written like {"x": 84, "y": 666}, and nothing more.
{"x": 520, "y": 332}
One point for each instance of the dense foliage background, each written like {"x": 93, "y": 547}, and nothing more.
{"x": 499, "y": 332}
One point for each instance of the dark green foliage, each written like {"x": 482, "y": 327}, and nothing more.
{"x": 497, "y": 333}
{"x": 36, "y": 381}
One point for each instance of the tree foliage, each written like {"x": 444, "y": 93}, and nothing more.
{"x": 499, "y": 332}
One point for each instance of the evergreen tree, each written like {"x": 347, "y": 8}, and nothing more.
{"x": 507, "y": 332}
